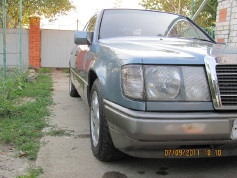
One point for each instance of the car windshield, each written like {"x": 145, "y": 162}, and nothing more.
{"x": 117, "y": 23}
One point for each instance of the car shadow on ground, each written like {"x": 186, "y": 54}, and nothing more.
{"x": 174, "y": 167}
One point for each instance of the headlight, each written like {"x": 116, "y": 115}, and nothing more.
{"x": 176, "y": 83}
{"x": 195, "y": 83}
{"x": 165, "y": 83}
{"x": 132, "y": 81}
{"x": 162, "y": 82}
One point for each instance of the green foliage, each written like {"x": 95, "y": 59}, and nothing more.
{"x": 48, "y": 70}
{"x": 168, "y": 6}
{"x": 205, "y": 19}
{"x": 9, "y": 90}
{"x": 22, "y": 127}
{"x": 45, "y": 70}
{"x": 47, "y": 8}
{"x": 33, "y": 173}
{"x": 59, "y": 132}
{"x": 65, "y": 70}
{"x": 210, "y": 31}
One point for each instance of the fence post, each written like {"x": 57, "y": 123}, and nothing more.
{"x": 34, "y": 45}
{"x": 4, "y": 39}
{"x": 20, "y": 38}
{"x": 212, "y": 32}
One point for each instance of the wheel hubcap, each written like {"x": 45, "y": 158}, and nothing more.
{"x": 95, "y": 119}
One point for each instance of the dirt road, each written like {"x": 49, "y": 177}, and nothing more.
{"x": 69, "y": 156}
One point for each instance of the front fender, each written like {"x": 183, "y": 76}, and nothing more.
{"x": 107, "y": 68}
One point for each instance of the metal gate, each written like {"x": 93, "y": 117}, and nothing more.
{"x": 56, "y": 47}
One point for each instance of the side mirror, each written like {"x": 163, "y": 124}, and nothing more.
{"x": 83, "y": 38}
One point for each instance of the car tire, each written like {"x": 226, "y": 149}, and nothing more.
{"x": 101, "y": 143}
{"x": 72, "y": 90}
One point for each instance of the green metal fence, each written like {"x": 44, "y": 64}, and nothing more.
{"x": 210, "y": 31}
{"x": 7, "y": 53}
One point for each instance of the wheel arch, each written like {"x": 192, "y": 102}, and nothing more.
{"x": 92, "y": 77}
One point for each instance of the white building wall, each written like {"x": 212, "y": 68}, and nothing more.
{"x": 226, "y": 22}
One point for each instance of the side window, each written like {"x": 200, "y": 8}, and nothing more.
{"x": 91, "y": 24}
{"x": 183, "y": 28}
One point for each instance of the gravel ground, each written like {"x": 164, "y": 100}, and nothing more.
{"x": 11, "y": 165}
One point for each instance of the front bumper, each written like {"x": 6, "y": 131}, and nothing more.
{"x": 151, "y": 134}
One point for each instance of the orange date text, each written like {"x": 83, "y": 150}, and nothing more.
{"x": 192, "y": 153}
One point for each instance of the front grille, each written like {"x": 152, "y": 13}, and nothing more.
{"x": 227, "y": 82}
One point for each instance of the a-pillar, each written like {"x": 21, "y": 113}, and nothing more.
{"x": 34, "y": 42}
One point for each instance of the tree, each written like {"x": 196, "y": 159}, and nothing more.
{"x": 47, "y": 8}
{"x": 206, "y": 18}
{"x": 174, "y": 6}
{"x": 117, "y": 3}
{"x": 208, "y": 13}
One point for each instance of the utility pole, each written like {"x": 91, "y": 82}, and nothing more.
{"x": 199, "y": 10}
{"x": 192, "y": 8}
{"x": 179, "y": 5}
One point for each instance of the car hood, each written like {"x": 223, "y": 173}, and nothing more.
{"x": 165, "y": 50}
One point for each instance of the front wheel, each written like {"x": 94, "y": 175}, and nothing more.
{"x": 101, "y": 142}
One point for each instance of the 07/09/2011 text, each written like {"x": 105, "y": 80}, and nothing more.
{"x": 192, "y": 153}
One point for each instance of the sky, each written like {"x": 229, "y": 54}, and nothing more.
{"x": 84, "y": 10}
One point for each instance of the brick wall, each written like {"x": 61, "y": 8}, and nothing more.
{"x": 226, "y": 22}
{"x": 34, "y": 42}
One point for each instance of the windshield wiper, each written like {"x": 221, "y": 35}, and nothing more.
{"x": 200, "y": 39}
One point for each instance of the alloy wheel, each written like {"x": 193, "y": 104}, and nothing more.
{"x": 95, "y": 119}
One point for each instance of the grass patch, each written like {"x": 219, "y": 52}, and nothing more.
{"x": 10, "y": 89}
{"x": 33, "y": 173}
{"x": 21, "y": 125}
{"x": 45, "y": 70}
{"x": 59, "y": 132}
{"x": 50, "y": 70}
{"x": 65, "y": 70}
